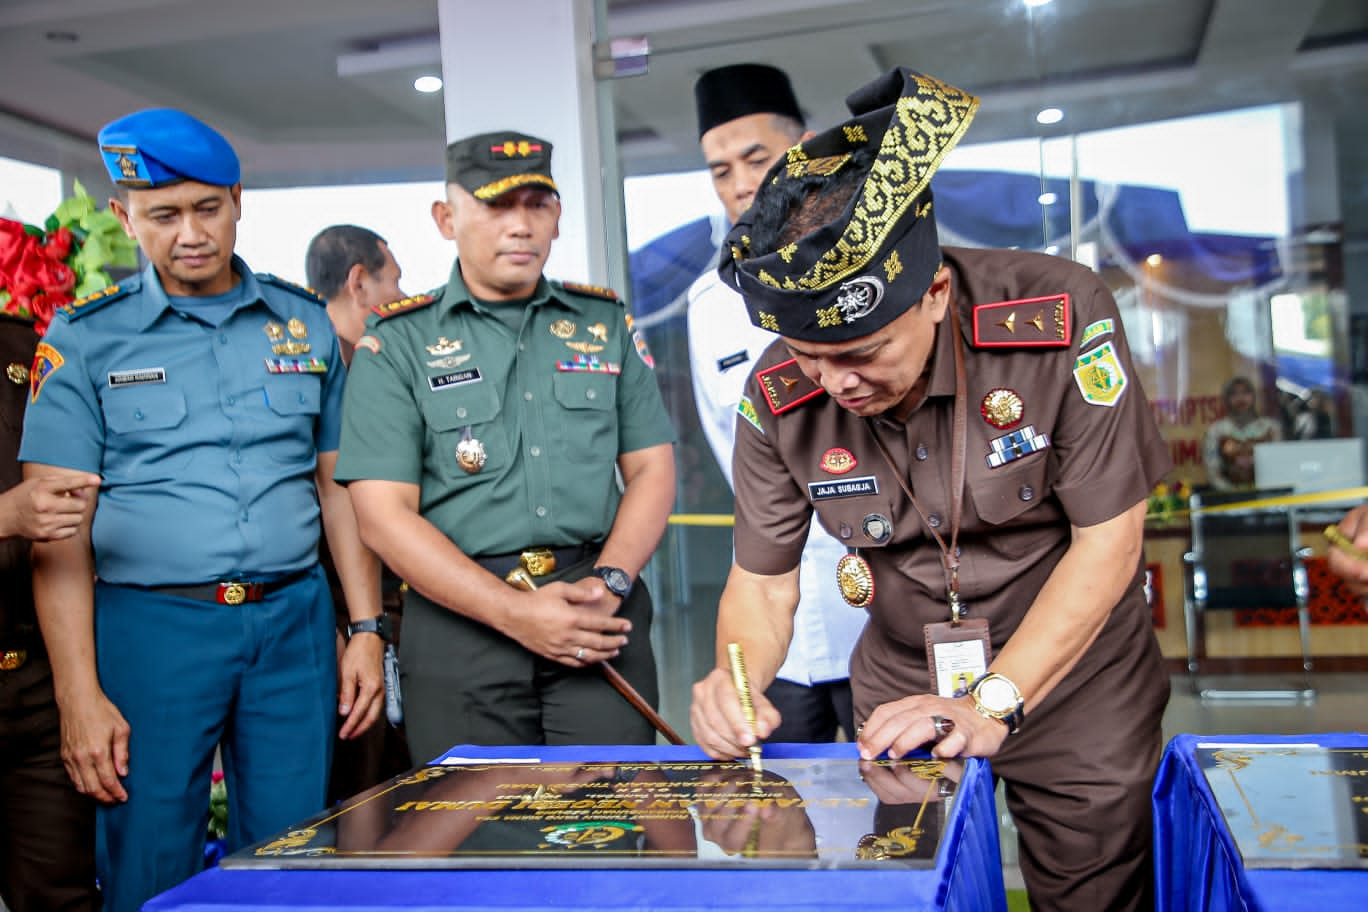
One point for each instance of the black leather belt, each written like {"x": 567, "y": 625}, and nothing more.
{"x": 232, "y": 592}
{"x": 501, "y": 564}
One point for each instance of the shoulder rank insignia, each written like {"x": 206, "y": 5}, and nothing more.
{"x": 1028, "y": 323}
{"x": 403, "y": 305}
{"x": 294, "y": 287}
{"x": 786, "y": 387}
{"x": 593, "y": 291}
{"x": 74, "y": 310}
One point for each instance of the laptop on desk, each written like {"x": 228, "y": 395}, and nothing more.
{"x": 1311, "y": 466}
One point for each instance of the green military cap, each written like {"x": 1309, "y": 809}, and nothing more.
{"x": 840, "y": 238}
{"x": 491, "y": 164}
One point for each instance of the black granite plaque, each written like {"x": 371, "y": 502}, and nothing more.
{"x": 1292, "y": 807}
{"x": 815, "y": 813}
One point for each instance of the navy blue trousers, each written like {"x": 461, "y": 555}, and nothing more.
{"x": 259, "y": 679}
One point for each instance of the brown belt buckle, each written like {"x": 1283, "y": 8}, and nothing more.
{"x": 13, "y": 659}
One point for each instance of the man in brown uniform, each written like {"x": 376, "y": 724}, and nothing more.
{"x": 47, "y": 828}
{"x": 968, "y": 423}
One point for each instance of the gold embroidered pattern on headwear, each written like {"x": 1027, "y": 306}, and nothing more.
{"x": 893, "y": 266}
{"x": 787, "y": 252}
{"x": 498, "y": 187}
{"x": 768, "y": 279}
{"x": 828, "y": 316}
{"x": 855, "y": 133}
{"x": 767, "y": 321}
{"x": 795, "y": 153}
{"x": 922, "y": 130}
{"x": 820, "y": 167}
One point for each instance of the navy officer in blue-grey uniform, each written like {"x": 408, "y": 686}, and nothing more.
{"x": 484, "y": 428}
{"x": 189, "y": 611}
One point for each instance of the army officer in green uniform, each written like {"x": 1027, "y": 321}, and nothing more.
{"x": 484, "y": 429}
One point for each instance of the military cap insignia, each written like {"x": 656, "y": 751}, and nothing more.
{"x": 94, "y": 301}
{"x": 403, "y": 305}
{"x": 1099, "y": 375}
{"x": 515, "y": 148}
{"x": 1027, "y": 323}
{"x": 593, "y": 291}
{"x": 785, "y": 386}
{"x": 46, "y": 360}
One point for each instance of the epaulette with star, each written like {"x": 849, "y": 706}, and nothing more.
{"x": 786, "y": 387}
{"x": 592, "y": 291}
{"x": 92, "y": 302}
{"x": 1027, "y": 323}
{"x": 402, "y": 306}
{"x": 294, "y": 287}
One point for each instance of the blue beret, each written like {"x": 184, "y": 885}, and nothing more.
{"x": 162, "y": 146}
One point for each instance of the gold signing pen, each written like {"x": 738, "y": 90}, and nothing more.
{"x": 743, "y": 691}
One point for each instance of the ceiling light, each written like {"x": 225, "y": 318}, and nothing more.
{"x": 1154, "y": 259}
{"x": 1034, "y": 3}
{"x": 1047, "y": 199}
{"x": 428, "y": 84}
{"x": 1049, "y": 116}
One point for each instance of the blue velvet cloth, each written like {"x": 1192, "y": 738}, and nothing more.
{"x": 1196, "y": 863}
{"x": 967, "y": 876}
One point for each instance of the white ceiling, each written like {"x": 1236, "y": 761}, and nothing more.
{"x": 319, "y": 91}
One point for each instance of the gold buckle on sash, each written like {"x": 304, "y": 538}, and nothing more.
{"x": 13, "y": 659}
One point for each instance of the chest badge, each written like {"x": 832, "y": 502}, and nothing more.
{"x": 856, "y": 580}
{"x": 562, "y": 329}
{"x": 274, "y": 331}
{"x": 598, "y": 332}
{"x": 17, "y": 373}
{"x": 1002, "y": 408}
{"x": 877, "y": 528}
{"x": 296, "y": 328}
{"x": 838, "y": 461}
{"x": 470, "y": 454}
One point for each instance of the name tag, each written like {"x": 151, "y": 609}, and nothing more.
{"x": 727, "y": 363}
{"x": 846, "y": 487}
{"x": 458, "y": 378}
{"x": 137, "y": 377}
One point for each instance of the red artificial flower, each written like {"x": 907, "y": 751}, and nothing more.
{"x": 58, "y": 244}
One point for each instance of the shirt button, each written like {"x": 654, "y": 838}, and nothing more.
{"x": 591, "y": 394}
{"x": 535, "y": 451}
{"x": 522, "y": 346}
{"x": 460, "y": 412}
{"x": 301, "y": 398}
{"x": 934, "y": 520}
{"x": 541, "y": 511}
{"x": 528, "y": 396}
{"x": 232, "y": 400}
{"x": 237, "y": 457}
{"x": 223, "y": 338}
{"x": 922, "y": 452}
{"x": 137, "y": 413}
{"x": 244, "y": 515}
{"x": 1027, "y": 492}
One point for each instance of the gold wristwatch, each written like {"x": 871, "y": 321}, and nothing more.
{"x": 996, "y": 697}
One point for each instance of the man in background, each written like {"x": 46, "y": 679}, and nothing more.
{"x": 353, "y": 269}
{"x": 747, "y": 118}
{"x": 484, "y": 428}
{"x": 47, "y": 828}
{"x": 189, "y": 611}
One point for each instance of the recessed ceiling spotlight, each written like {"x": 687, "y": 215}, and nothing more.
{"x": 1034, "y": 3}
{"x": 428, "y": 84}
{"x": 1154, "y": 259}
{"x": 1049, "y": 116}
{"x": 1047, "y": 198}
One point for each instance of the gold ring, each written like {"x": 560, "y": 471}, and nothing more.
{"x": 1335, "y": 536}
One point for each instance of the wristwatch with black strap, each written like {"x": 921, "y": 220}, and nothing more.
{"x": 381, "y": 626}
{"x": 996, "y": 697}
{"x": 616, "y": 579}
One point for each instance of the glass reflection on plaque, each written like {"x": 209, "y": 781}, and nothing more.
{"x": 1292, "y": 807}
{"x": 815, "y": 813}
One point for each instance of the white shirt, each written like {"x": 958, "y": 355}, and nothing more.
{"x": 723, "y": 344}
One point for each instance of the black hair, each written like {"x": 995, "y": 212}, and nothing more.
{"x": 335, "y": 250}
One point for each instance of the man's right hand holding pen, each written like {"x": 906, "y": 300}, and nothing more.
{"x": 720, "y": 725}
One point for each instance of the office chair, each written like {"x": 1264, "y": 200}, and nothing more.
{"x": 1244, "y": 558}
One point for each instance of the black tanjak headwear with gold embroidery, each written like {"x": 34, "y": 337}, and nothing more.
{"x": 848, "y": 274}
